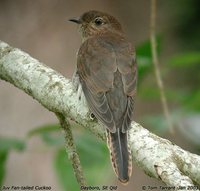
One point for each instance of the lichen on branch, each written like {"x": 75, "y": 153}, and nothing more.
{"x": 158, "y": 157}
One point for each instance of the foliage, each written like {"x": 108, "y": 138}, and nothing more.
{"x": 94, "y": 158}
{"x": 6, "y": 145}
{"x": 144, "y": 57}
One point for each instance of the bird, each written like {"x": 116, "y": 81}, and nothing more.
{"x": 107, "y": 73}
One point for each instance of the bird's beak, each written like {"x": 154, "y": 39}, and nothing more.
{"x": 75, "y": 20}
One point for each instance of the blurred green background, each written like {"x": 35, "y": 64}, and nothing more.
{"x": 32, "y": 148}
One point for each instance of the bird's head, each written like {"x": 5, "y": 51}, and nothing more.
{"x": 94, "y": 22}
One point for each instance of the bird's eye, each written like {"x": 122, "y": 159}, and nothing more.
{"x": 99, "y": 21}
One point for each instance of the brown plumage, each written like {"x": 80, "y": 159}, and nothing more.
{"x": 107, "y": 71}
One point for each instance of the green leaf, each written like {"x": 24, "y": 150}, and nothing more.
{"x": 53, "y": 139}
{"x": 144, "y": 57}
{"x": 188, "y": 99}
{"x": 144, "y": 66}
{"x": 7, "y": 144}
{"x": 149, "y": 93}
{"x": 94, "y": 158}
{"x": 88, "y": 143}
{"x": 144, "y": 49}
{"x": 50, "y": 134}
{"x": 3, "y": 159}
{"x": 193, "y": 101}
{"x": 144, "y": 60}
{"x": 187, "y": 59}
{"x": 44, "y": 129}
{"x": 64, "y": 171}
{"x": 173, "y": 95}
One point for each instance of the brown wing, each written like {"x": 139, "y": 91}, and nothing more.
{"x": 126, "y": 63}
{"x": 128, "y": 69}
{"x": 98, "y": 61}
{"x": 96, "y": 66}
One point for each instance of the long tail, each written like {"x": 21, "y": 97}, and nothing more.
{"x": 120, "y": 154}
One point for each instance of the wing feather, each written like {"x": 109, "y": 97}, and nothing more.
{"x": 99, "y": 106}
{"x": 96, "y": 67}
{"x": 98, "y": 61}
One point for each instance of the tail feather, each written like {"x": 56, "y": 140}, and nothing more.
{"x": 120, "y": 153}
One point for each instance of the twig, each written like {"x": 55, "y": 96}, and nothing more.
{"x": 156, "y": 65}
{"x": 71, "y": 150}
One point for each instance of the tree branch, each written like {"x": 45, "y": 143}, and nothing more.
{"x": 156, "y": 65}
{"x": 71, "y": 150}
{"x": 158, "y": 157}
